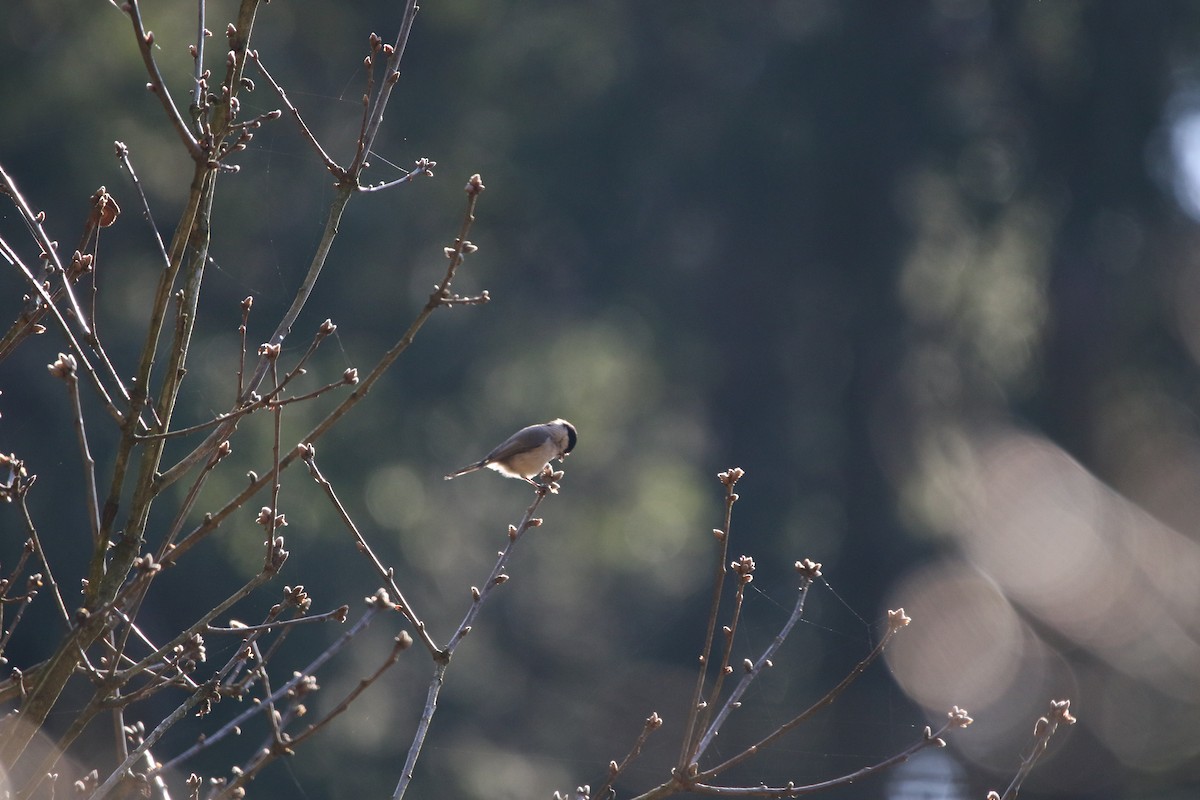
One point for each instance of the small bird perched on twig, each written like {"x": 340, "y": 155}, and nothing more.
{"x": 528, "y": 451}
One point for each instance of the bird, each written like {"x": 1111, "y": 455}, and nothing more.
{"x": 528, "y": 451}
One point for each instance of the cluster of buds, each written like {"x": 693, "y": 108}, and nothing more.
{"x": 146, "y": 564}
{"x": 296, "y": 597}
{"x": 897, "y": 619}
{"x": 811, "y": 570}
{"x": 63, "y": 367}
{"x": 16, "y": 481}
{"x": 743, "y": 568}
{"x": 731, "y": 476}
{"x": 189, "y": 653}
{"x": 104, "y": 208}
{"x": 270, "y": 520}
{"x": 81, "y": 264}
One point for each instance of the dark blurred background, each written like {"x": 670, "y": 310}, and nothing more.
{"x": 927, "y": 271}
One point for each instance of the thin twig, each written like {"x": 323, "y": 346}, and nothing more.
{"x": 929, "y": 739}
{"x": 286, "y": 744}
{"x": 374, "y": 607}
{"x": 688, "y": 752}
{"x": 376, "y": 45}
{"x": 123, "y": 156}
{"x": 423, "y": 167}
{"x": 203, "y": 693}
{"x": 1043, "y": 731}
{"x": 427, "y": 712}
{"x": 346, "y": 187}
{"x": 367, "y": 141}
{"x": 41, "y": 553}
{"x": 479, "y": 597}
{"x": 22, "y": 603}
{"x": 337, "y": 208}
{"x": 330, "y": 164}
{"x": 76, "y": 348}
{"x": 438, "y": 298}
{"x": 49, "y": 248}
{"x": 157, "y": 85}
{"x": 337, "y": 615}
{"x": 202, "y": 33}
{"x": 276, "y": 519}
{"x": 199, "y": 625}
{"x": 743, "y": 568}
{"x": 69, "y": 376}
{"x": 809, "y": 571}
{"x": 401, "y": 603}
{"x": 269, "y": 400}
{"x": 247, "y": 304}
{"x": 896, "y": 620}
{"x": 133, "y": 593}
{"x": 653, "y": 723}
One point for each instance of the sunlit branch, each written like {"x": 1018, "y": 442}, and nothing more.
{"x": 479, "y": 596}
{"x": 375, "y": 605}
{"x": 157, "y": 85}
{"x": 689, "y": 753}
{"x": 388, "y": 574}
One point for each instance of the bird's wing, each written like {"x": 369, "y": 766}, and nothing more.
{"x": 519, "y": 442}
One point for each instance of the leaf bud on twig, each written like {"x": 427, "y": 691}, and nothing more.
{"x": 63, "y": 367}
{"x": 959, "y": 717}
{"x": 897, "y": 619}
{"x": 731, "y": 476}
{"x": 379, "y": 600}
{"x": 809, "y": 568}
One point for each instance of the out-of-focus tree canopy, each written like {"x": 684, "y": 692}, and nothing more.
{"x": 927, "y": 271}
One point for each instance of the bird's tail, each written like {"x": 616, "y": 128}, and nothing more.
{"x": 465, "y": 470}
